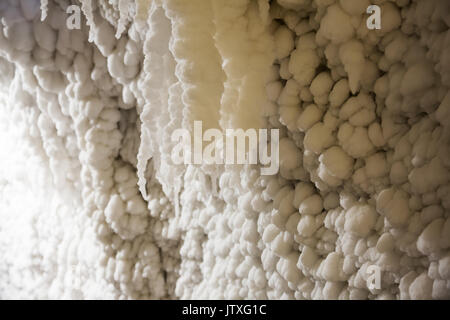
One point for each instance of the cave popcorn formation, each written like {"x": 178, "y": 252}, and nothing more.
{"x": 92, "y": 207}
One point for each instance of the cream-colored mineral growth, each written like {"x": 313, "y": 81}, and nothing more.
{"x": 92, "y": 207}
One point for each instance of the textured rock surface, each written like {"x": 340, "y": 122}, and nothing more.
{"x": 92, "y": 207}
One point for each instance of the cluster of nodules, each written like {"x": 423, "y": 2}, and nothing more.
{"x": 364, "y": 119}
{"x": 364, "y": 170}
{"x": 78, "y": 98}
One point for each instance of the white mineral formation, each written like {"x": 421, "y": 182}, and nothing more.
{"x": 91, "y": 207}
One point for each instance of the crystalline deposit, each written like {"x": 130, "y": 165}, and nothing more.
{"x": 92, "y": 207}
